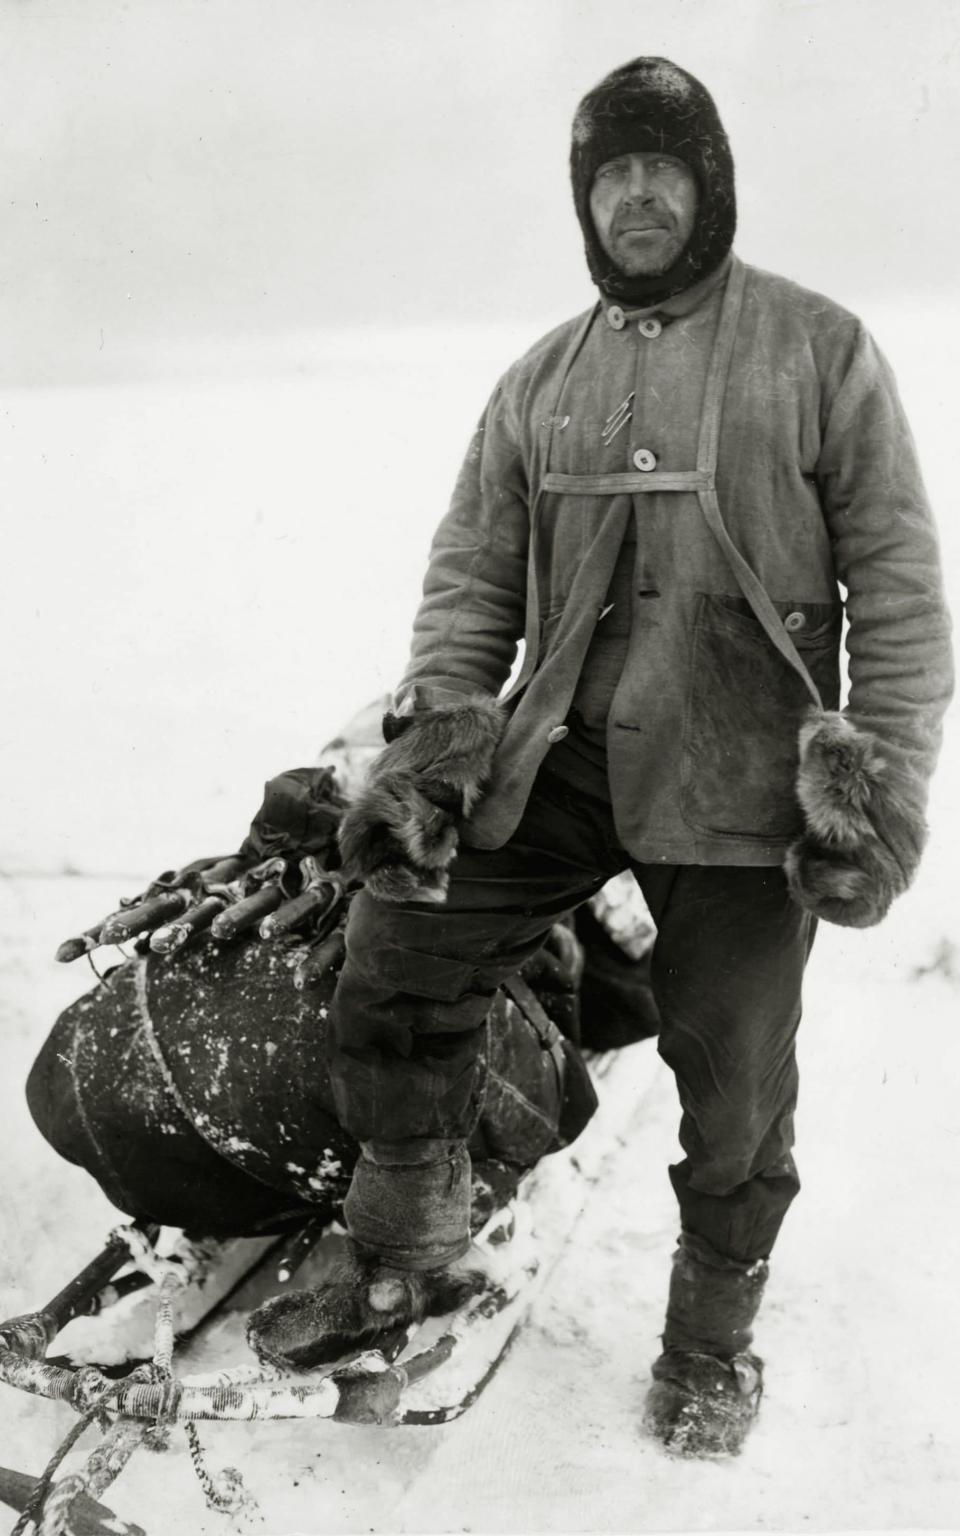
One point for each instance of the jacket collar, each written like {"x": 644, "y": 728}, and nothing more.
{"x": 680, "y": 304}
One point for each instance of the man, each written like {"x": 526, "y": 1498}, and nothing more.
{"x": 662, "y": 499}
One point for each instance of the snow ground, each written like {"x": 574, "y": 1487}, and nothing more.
{"x": 194, "y": 561}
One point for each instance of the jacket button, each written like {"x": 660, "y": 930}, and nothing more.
{"x": 649, "y": 327}
{"x": 644, "y": 459}
{"x": 616, "y": 319}
{"x": 794, "y": 621}
{"x": 557, "y": 734}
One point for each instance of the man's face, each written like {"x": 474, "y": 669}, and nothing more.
{"x": 643, "y": 207}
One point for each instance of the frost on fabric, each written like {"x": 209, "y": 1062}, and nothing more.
{"x": 237, "y": 1144}
{"x": 329, "y": 1167}
{"x": 666, "y": 79}
{"x": 582, "y": 126}
{"x": 328, "y": 1172}
{"x": 215, "y": 1082}
{"x": 222, "y": 1140}
{"x": 656, "y": 77}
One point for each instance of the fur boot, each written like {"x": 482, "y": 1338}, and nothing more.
{"x": 360, "y": 1302}
{"x": 401, "y": 833}
{"x": 864, "y": 829}
{"x": 700, "y": 1406}
{"x": 707, "y": 1384}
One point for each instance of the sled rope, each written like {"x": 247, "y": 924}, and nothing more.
{"x": 104, "y": 1464}
{"x": 36, "y": 1504}
{"x": 226, "y": 1493}
{"x": 217, "y": 1139}
{"x": 49, "y": 1505}
{"x": 92, "y": 964}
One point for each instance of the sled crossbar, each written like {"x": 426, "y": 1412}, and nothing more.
{"x": 366, "y": 1390}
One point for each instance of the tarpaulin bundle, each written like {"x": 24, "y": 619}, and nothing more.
{"x": 196, "y": 1093}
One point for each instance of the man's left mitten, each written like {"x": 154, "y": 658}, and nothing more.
{"x": 864, "y": 827}
{"x": 401, "y": 832}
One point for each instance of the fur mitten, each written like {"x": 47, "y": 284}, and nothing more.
{"x": 359, "y": 1302}
{"x": 864, "y": 828}
{"x": 401, "y": 832}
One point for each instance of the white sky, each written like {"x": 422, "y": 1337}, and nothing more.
{"x": 195, "y": 170}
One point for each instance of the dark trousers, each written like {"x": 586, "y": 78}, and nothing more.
{"x": 406, "y": 1023}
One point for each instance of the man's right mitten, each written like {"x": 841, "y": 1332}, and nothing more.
{"x": 401, "y": 832}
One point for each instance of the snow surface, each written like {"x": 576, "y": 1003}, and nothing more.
{"x": 194, "y": 562}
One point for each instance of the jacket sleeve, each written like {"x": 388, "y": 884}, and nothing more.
{"x": 471, "y": 615}
{"x": 887, "y": 558}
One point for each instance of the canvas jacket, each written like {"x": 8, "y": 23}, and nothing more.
{"x": 581, "y": 523}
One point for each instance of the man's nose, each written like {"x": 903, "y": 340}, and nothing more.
{"x": 638, "y": 185}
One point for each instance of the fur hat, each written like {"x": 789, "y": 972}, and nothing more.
{"x": 653, "y": 106}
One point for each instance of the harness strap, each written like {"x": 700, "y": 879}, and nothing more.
{"x": 535, "y": 1013}
{"x": 719, "y": 369}
{"x": 707, "y": 447}
{"x": 629, "y": 483}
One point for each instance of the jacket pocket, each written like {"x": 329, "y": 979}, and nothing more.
{"x": 745, "y": 705}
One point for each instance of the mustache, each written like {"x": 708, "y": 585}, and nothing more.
{"x": 630, "y": 219}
